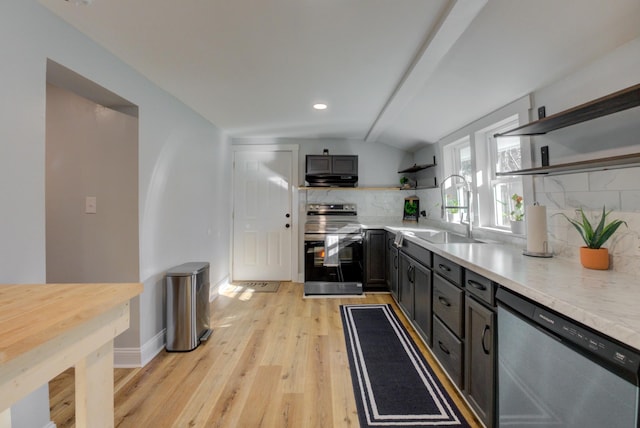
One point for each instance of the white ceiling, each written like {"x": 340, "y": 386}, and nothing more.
{"x": 399, "y": 72}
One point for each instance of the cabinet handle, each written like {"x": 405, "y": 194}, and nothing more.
{"x": 484, "y": 334}
{"x": 413, "y": 274}
{"x": 395, "y": 262}
{"x": 444, "y": 301}
{"x": 409, "y": 273}
{"x": 444, "y": 267}
{"x": 476, "y": 285}
{"x": 444, "y": 348}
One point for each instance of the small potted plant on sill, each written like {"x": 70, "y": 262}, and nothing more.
{"x": 593, "y": 256}
{"x": 453, "y": 213}
{"x": 516, "y": 216}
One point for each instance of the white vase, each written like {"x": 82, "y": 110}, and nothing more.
{"x": 517, "y": 227}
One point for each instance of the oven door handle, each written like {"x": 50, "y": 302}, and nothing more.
{"x": 355, "y": 238}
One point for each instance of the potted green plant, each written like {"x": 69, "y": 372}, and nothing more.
{"x": 410, "y": 212}
{"x": 404, "y": 182}
{"x": 593, "y": 256}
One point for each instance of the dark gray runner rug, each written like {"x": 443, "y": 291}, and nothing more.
{"x": 394, "y": 386}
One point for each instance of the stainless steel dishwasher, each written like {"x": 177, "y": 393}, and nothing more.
{"x": 555, "y": 372}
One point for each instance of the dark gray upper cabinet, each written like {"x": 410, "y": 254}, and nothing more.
{"x": 318, "y": 164}
{"x": 332, "y": 164}
{"x": 344, "y": 165}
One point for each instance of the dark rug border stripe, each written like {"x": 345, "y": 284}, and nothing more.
{"x": 449, "y": 415}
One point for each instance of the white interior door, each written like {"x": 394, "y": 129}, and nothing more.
{"x": 262, "y": 216}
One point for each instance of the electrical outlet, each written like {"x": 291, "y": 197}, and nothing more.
{"x": 90, "y": 205}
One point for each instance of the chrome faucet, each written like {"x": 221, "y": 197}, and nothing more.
{"x": 466, "y": 206}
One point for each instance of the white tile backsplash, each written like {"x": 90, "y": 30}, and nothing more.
{"x": 618, "y": 190}
{"x": 370, "y": 203}
{"x": 619, "y": 179}
{"x": 593, "y": 200}
{"x": 630, "y": 200}
{"x": 566, "y": 183}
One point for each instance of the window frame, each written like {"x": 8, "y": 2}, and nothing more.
{"x": 481, "y": 190}
{"x": 493, "y": 181}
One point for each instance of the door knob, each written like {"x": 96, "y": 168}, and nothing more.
{"x": 287, "y": 215}
{"x": 287, "y": 225}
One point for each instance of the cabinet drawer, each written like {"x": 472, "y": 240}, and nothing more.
{"x": 448, "y": 304}
{"x": 417, "y": 252}
{"x": 448, "y": 269}
{"x": 481, "y": 287}
{"x": 448, "y": 348}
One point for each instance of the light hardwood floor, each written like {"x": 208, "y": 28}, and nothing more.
{"x": 273, "y": 360}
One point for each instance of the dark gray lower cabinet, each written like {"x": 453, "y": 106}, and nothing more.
{"x": 452, "y": 308}
{"x": 449, "y": 350}
{"x": 414, "y": 280}
{"x": 422, "y": 301}
{"x": 392, "y": 265}
{"x": 374, "y": 248}
{"x": 406, "y": 284}
{"x": 480, "y": 359}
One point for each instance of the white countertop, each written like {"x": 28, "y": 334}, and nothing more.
{"x": 606, "y": 301}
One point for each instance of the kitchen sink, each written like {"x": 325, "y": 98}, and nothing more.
{"x": 445, "y": 237}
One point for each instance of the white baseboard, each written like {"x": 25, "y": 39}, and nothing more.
{"x": 214, "y": 289}
{"x": 51, "y": 424}
{"x": 139, "y": 357}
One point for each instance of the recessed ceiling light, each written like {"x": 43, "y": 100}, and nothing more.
{"x": 320, "y": 106}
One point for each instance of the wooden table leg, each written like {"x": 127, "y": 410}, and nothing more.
{"x": 94, "y": 389}
{"x": 5, "y": 418}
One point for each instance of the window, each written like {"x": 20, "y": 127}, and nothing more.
{"x": 475, "y": 154}
{"x": 457, "y": 160}
{"x": 505, "y": 155}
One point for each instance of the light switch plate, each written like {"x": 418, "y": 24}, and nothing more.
{"x": 90, "y": 205}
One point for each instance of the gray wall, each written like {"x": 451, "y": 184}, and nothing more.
{"x": 90, "y": 151}
{"x": 184, "y": 161}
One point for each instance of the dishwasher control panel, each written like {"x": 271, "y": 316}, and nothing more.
{"x": 592, "y": 342}
{"x": 621, "y": 359}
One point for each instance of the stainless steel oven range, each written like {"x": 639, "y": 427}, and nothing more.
{"x": 333, "y": 247}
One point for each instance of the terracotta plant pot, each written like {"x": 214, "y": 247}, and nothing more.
{"x": 594, "y": 258}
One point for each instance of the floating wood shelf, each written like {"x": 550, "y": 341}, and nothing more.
{"x": 614, "y": 162}
{"x": 348, "y": 188}
{"x": 613, "y": 103}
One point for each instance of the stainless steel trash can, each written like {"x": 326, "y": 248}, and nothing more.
{"x": 187, "y": 306}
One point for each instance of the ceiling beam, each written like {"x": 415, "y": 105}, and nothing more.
{"x": 457, "y": 16}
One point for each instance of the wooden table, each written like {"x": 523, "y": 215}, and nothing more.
{"x": 47, "y": 328}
